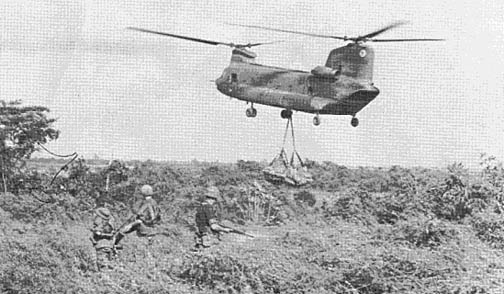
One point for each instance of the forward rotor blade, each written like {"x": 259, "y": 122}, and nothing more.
{"x": 404, "y": 40}
{"x": 380, "y": 31}
{"x": 288, "y": 31}
{"x": 259, "y": 44}
{"x": 182, "y": 37}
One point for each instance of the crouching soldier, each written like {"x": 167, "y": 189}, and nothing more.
{"x": 208, "y": 229}
{"x": 146, "y": 214}
{"x": 103, "y": 237}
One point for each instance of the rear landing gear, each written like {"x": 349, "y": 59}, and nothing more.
{"x": 251, "y": 112}
{"x": 316, "y": 120}
{"x": 354, "y": 122}
{"x": 286, "y": 113}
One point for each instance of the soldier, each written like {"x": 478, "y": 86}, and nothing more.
{"x": 146, "y": 216}
{"x": 103, "y": 237}
{"x": 208, "y": 229}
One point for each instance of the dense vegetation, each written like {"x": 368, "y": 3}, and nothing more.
{"x": 363, "y": 230}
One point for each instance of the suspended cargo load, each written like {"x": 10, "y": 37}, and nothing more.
{"x": 298, "y": 172}
{"x": 275, "y": 172}
{"x": 281, "y": 170}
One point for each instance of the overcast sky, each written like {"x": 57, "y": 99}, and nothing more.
{"x": 123, "y": 94}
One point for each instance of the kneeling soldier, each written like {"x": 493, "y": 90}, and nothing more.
{"x": 103, "y": 237}
{"x": 208, "y": 229}
{"x": 144, "y": 218}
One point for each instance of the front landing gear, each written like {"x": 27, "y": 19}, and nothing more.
{"x": 286, "y": 113}
{"x": 354, "y": 122}
{"x": 316, "y": 120}
{"x": 251, "y": 112}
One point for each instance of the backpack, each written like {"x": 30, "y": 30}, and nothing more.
{"x": 156, "y": 218}
{"x": 157, "y": 215}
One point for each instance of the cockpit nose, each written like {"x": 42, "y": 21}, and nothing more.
{"x": 218, "y": 81}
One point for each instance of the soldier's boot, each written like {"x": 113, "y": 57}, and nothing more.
{"x": 110, "y": 258}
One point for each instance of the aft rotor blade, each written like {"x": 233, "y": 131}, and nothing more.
{"x": 288, "y": 31}
{"x": 182, "y": 37}
{"x": 380, "y": 31}
{"x": 404, "y": 40}
{"x": 364, "y": 38}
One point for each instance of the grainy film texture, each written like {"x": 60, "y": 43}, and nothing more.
{"x": 251, "y": 147}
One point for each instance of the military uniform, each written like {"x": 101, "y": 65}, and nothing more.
{"x": 208, "y": 229}
{"x": 147, "y": 215}
{"x": 205, "y": 217}
{"x": 102, "y": 237}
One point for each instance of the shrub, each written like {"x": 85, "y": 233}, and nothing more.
{"x": 422, "y": 232}
{"x": 305, "y": 197}
{"x": 44, "y": 260}
{"x": 489, "y": 227}
{"x": 220, "y": 272}
{"x": 39, "y": 206}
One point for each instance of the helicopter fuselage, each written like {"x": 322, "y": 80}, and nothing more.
{"x": 322, "y": 91}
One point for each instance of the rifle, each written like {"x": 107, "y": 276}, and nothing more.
{"x": 127, "y": 222}
{"x": 239, "y": 232}
{"x": 99, "y": 234}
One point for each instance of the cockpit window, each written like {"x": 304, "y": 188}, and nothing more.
{"x": 234, "y": 78}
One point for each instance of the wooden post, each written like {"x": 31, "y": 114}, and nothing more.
{"x": 4, "y": 182}
{"x": 3, "y": 177}
{"x": 107, "y": 183}
{"x": 269, "y": 210}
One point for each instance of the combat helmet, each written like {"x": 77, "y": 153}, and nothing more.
{"x": 212, "y": 192}
{"x": 146, "y": 190}
{"x": 103, "y": 212}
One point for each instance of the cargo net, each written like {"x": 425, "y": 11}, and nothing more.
{"x": 282, "y": 170}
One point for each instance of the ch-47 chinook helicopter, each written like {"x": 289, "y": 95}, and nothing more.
{"x": 343, "y": 86}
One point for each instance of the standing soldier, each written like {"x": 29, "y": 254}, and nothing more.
{"x": 146, "y": 215}
{"x": 208, "y": 229}
{"x": 103, "y": 237}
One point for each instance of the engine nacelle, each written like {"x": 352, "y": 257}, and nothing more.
{"x": 325, "y": 72}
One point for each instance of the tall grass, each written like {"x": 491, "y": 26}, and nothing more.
{"x": 350, "y": 231}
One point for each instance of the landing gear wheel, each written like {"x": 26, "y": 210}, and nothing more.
{"x": 354, "y": 122}
{"x": 286, "y": 113}
{"x": 316, "y": 120}
{"x": 251, "y": 112}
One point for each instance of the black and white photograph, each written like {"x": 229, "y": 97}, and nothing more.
{"x": 252, "y": 146}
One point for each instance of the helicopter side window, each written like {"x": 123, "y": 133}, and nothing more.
{"x": 234, "y": 78}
